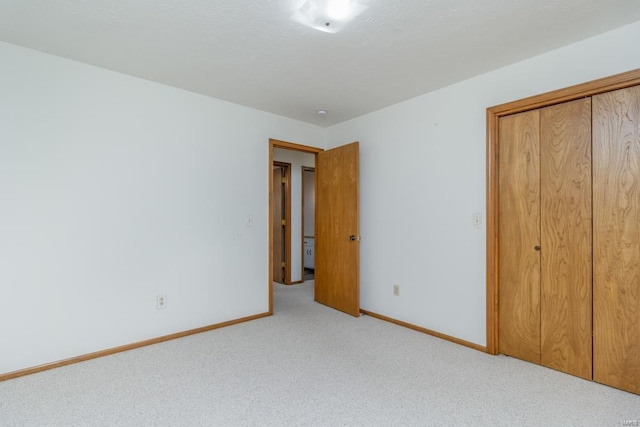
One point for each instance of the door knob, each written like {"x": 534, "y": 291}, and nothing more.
{"x": 353, "y": 238}
{"x": 537, "y": 248}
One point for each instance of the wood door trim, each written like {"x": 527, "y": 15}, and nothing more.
{"x": 607, "y": 84}
{"x": 276, "y": 143}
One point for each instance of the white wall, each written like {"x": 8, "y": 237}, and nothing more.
{"x": 309, "y": 203}
{"x": 297, "y": 160}
{"x": 115, "y": 189}
{"x": 423, "y": 175}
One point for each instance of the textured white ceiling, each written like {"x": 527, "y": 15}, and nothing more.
{"x": 249, "y": 52}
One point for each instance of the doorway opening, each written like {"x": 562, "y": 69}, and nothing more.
{"x": 336, "y": 225}
{"x": 289, "y": 153}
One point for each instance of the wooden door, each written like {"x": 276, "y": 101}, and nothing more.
{"x": 337, "y": 273}
{"x": 279, "y": 235}
{"x": 565, "y": 229}
{"x": 519, "y": 236}
{"x": 616, "y": 239}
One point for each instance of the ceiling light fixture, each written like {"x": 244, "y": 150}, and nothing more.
{"x": 329, "y": 16}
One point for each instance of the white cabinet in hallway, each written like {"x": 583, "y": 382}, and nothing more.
{"x": 309, "y": 253}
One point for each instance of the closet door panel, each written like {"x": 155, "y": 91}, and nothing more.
{"x": 616, "y": 193}
{"x": 519, "y": 213}
{"x": 565, "y": 228}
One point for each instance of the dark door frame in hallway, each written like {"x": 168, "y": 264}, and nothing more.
{"x": 285, "y": 223}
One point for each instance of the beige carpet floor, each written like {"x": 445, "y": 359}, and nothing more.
{"x": 310, "y": 365}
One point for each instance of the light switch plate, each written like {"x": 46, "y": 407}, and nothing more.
{"x": 477, "y": 220}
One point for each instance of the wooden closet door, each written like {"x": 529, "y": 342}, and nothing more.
{"x": 565, "y": 229}
{"x": 519, "y": 213}
{"x": 616, "y": 239}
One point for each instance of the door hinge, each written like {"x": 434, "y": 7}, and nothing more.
{"x": 284, "y": 222}
{"x": 283, "y": 180}
{"x": 284, "y": 264}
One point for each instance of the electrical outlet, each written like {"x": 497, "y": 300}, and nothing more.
{"x": 477, "y": 220}
{"x": 161, "y": 301}
{"x": 396, "y": 290}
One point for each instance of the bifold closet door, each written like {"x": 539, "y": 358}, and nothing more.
{"x": 519, "y": 236}
{"x": 545, "y": 236}
{"x": 616, "y": 240}
{"x": 565, "y": 230}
